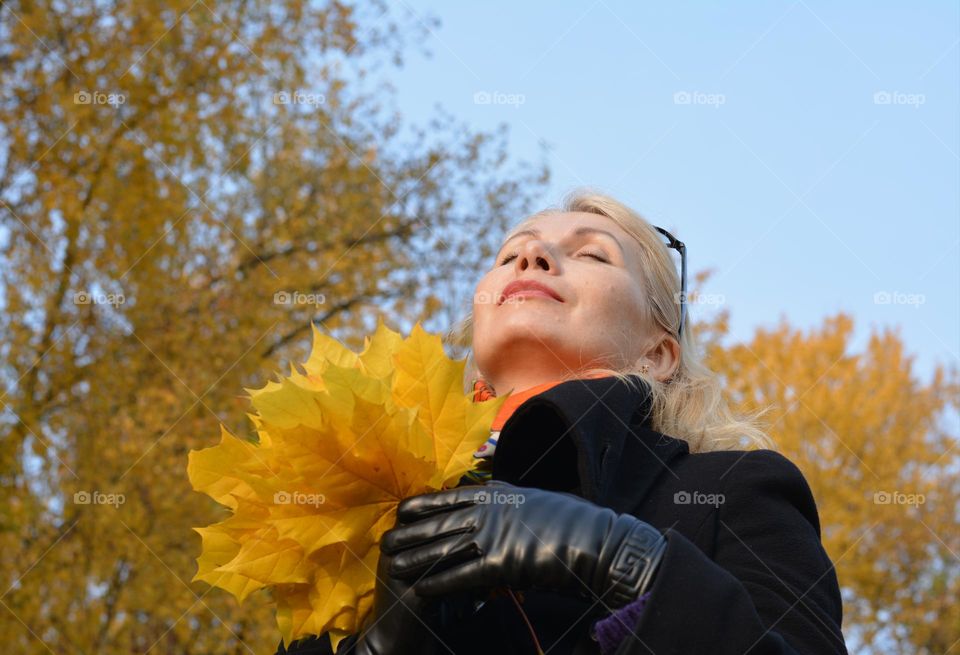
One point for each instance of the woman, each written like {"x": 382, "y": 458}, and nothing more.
{"x": 619, "y": 506}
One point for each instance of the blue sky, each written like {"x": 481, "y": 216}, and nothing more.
{"x": 805, "y": 151}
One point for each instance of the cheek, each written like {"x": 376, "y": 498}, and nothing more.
{"x": 485, "y": 296}
{"x": 614, "y": 302}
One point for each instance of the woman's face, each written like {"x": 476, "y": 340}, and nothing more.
{"x": 588, "y": 312}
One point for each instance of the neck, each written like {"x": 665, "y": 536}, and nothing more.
{"x": 517, "y": 369}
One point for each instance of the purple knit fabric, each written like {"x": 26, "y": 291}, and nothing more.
{"x": 612, "y": 630}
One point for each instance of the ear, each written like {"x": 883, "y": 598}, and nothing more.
{"x": 663, "y": 358}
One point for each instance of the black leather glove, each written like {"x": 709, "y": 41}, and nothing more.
{"x": 400, "y": 623}
{"x": 499, "y": 534}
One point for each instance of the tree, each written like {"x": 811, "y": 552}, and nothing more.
{"x": 184, "y": 188}
{"x": 876, "y": 445}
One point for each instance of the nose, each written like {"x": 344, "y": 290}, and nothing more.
{"x": 534, "y": 253}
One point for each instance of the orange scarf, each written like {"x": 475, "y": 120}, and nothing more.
{"x": 482, "y": 391}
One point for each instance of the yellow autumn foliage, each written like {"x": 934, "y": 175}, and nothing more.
{"x": 340, "y": 445}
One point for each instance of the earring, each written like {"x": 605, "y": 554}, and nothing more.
{"x": 645, "y": 369}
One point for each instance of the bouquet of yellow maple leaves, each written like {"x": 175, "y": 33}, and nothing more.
{"x": 341, "y": 442}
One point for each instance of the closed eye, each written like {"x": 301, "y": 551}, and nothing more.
{"x": 596, "y": 256}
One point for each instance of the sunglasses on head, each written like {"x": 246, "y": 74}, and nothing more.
{"x": 678, "y": 245}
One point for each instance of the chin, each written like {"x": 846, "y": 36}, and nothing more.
{"x": 531, "y": 313}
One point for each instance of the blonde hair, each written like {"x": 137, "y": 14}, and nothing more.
{"x": 690, "y": 405}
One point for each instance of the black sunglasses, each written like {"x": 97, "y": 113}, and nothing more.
{"x": 682, "y": 249}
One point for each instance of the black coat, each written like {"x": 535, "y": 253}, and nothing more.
{"x": 744, "y": 570}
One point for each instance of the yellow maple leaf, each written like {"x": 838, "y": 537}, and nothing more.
{"x": 340, "y": 445}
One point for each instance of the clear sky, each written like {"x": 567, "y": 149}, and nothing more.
{"x": 806, "y": 151}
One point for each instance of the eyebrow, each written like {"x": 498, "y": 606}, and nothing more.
{"x": 580, "y": 231}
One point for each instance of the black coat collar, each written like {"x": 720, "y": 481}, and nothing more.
{"x": 588, "y": 436}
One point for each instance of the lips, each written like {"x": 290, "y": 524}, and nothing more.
{"x": 527, "y": 285}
